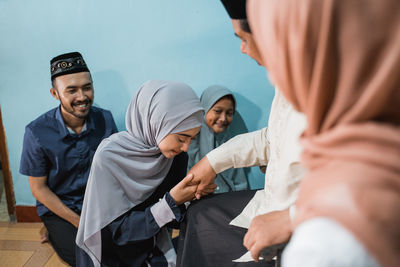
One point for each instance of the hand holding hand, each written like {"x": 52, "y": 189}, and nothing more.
{"x": 267, "y": 230}
{"x": 184, "y": 191}
{"x": 204, "y": 175}
{"x": 207, "y": 189}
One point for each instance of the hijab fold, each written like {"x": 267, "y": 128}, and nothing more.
{"x": 338, "y": 61}
{"x": 128, "y": 166}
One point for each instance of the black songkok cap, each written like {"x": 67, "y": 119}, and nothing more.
{"x": 235, "y": 8}
{"x": 67, "y": 64}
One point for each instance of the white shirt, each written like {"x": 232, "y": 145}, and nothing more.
{"x": 277, "y": 147}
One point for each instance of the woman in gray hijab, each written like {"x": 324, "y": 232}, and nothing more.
{"x": 219, "y": 105}
{"x": 135, "y": 185}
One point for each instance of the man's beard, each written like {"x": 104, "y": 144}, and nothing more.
{"x": 75, "y": 114}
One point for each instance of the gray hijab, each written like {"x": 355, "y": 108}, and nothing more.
{"x": 207, "y": 140}
{"x": 128, "y": 166}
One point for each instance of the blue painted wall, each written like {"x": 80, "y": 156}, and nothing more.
{"x": 124, "y": 43}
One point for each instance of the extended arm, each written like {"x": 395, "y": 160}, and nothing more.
{"x": 44, "y": 195}
{"x": 136, "y": 226}
{"x": 245, "y": 150}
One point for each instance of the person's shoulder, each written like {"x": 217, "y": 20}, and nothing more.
{"x": 47, "y": 119}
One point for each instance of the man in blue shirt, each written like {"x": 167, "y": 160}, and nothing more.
{"x": 58, "y": 150}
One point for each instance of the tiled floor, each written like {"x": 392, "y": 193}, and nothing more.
{"x": 20, "y": 246}
{"x": 20, "y": 242}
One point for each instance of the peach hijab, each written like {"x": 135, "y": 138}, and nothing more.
{"x": 338, "y": 61}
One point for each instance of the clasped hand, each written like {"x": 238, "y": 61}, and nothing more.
{"x": 198, "y": 182}
{"x": 204, "y": 176}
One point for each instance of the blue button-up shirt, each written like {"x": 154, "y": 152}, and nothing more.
{"x": 50, "y": 150}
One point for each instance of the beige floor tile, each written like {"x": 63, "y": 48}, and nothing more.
{"x": 55, "y": 261}
{"x": 14, "y": 258}
{"x": 16, "y": 233}
{"x": 20, "y": 246}
{"x": 21, "y": 225}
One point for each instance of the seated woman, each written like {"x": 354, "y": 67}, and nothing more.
{"x": 134, "y": 187}
{"x": 219, "y": 105}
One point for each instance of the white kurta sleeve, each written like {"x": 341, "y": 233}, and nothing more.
{"x": 245, "y": 150}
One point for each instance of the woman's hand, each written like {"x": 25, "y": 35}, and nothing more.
{"x": 184, "y": 191}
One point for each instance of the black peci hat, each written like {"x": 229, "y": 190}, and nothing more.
{"x": 235, "y": 8}
{"x": 66, "y": 64}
